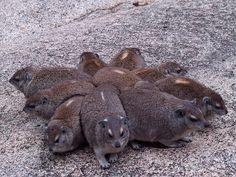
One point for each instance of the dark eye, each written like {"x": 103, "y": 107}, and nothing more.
{"x": 16, "y": 79}
{"x": 122, "y": 133}
{"x": 31, "y": 106}
{"x": 63, "y": 130}
{"x": 193, "y": 119}
{"x": 56, "y": 140}
{"x": 178, "y": 71}
{"x": 110, "y": 135}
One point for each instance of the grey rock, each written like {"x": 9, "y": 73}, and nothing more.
{"x": 200, "y": 34}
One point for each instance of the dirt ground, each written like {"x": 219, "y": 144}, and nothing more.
{"x": 200, "y": 34}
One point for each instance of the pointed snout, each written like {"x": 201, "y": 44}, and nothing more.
{"x": 206, "y": 124}
{"x": 226, "y": 111}
{"x": 117, "y": 144}
{"x": 10, "y": 80}
{"x": 25, "y": 109}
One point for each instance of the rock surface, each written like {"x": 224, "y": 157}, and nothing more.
{"x": 200, "y": 34}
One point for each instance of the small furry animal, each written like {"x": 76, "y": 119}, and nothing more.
{"x": 90, "y": 63}
{"x": 172, "y": 68}
{"x": 64, "y": 132}
{"x": 142, "y": 2}
{"x": 185, "y": 88}
{"x": 128, "y": 58}
{"x": 104, "y": 123}
{"x": 29, "y": 80}
{"x": 44, "y": 102}
{"x": 122, "y": 78}
{"x": 155, "y": 116}
{"x": 154, "y": 74}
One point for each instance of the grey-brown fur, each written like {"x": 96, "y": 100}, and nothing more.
{"x": 90, "y": 63}
{"x": 153, "y": 74}
{"x": 44, "y": 102}
{"x": 128, "y": 58}
{"x": 64, "y": 132}
{"x": 29, "y": 80}
{"x": 155, "y": 116}
{"x": 102, "y": 112}
{"x": 122, "y": 78}
{"x": 208, "y": 100}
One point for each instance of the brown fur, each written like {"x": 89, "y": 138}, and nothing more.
{"x": 155, "y": 116}
{"x": 90, "y": 63}
{"x": 44, "y": 102}
{"x": 122, "y": 78}
{"x": 102, "y": 112}
{"x": 128, "y": 58}
{"x": 35, "y": 79}
{"x": 186, "y": 88}
{"x": 154, "y": 74}
{"x": 64, "y": 131}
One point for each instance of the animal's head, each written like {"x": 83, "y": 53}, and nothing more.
{"x": 39, "y": 104}
{"x": 59, "y": 138}
{"x": 214, "y": 103}
{"x": 191, "y": 116}
{"x": 135, "y": 50}
{"x": 114, "y": 130}
{"x": 22, "y": 78}
{"x": 86, "y": 56}
{"x": 173, "y": 68}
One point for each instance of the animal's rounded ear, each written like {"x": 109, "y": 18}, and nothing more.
{"x": 82, "y": 57}
{"x": 137, "y": 51}
{"x": 28, "y": 76}
{"x": 180, "y": 112}
{"x": 102, "y": 123}
{"x": 194, "y": 101}
{"x": 124, "y": 119}
{"x": 97, "y": 55}
{"x": 45, "y": 100}
{"x": 206, "y": 100}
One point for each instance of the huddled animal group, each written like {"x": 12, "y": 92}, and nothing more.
{"x": 111, "y": 105}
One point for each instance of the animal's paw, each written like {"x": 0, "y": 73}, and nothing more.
{"x": 180, "y": 144}
{"x": 186, "y": 139}
{"x": 136, "y": 146}
{"x": 113, "y": 158}
{"x": 105, "y": 165}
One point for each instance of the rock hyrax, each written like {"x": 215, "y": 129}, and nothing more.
{"x": 155, "y": 116}
{"x": 128, "y": 58}
{"x": 64, "y": 131}
{"x": 30, "y": 80}
{"x": 44, "y": 102}
{"x": 153, "y": 74}
{"x": 185, "y": 88}
{"x": 90, "y": 63}
{"x": 104, "y": 123}
{"x": 172, "y": 68}
{"x": 122, "y": 78}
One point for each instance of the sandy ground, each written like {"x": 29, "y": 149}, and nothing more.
{"x": 200, "y": 34}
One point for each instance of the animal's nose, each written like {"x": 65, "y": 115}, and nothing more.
{"x": 226, "y": 111}
{"x": 117, "y": 144}
{"x": 24, "y": 109}
{"x": 206, "y": 124}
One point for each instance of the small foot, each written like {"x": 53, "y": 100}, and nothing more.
{"x": 186, "y": 139}
{"x": 113, "y": 158}
{"x": 105, "y": 165}
{"x": 135, "y": 145}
